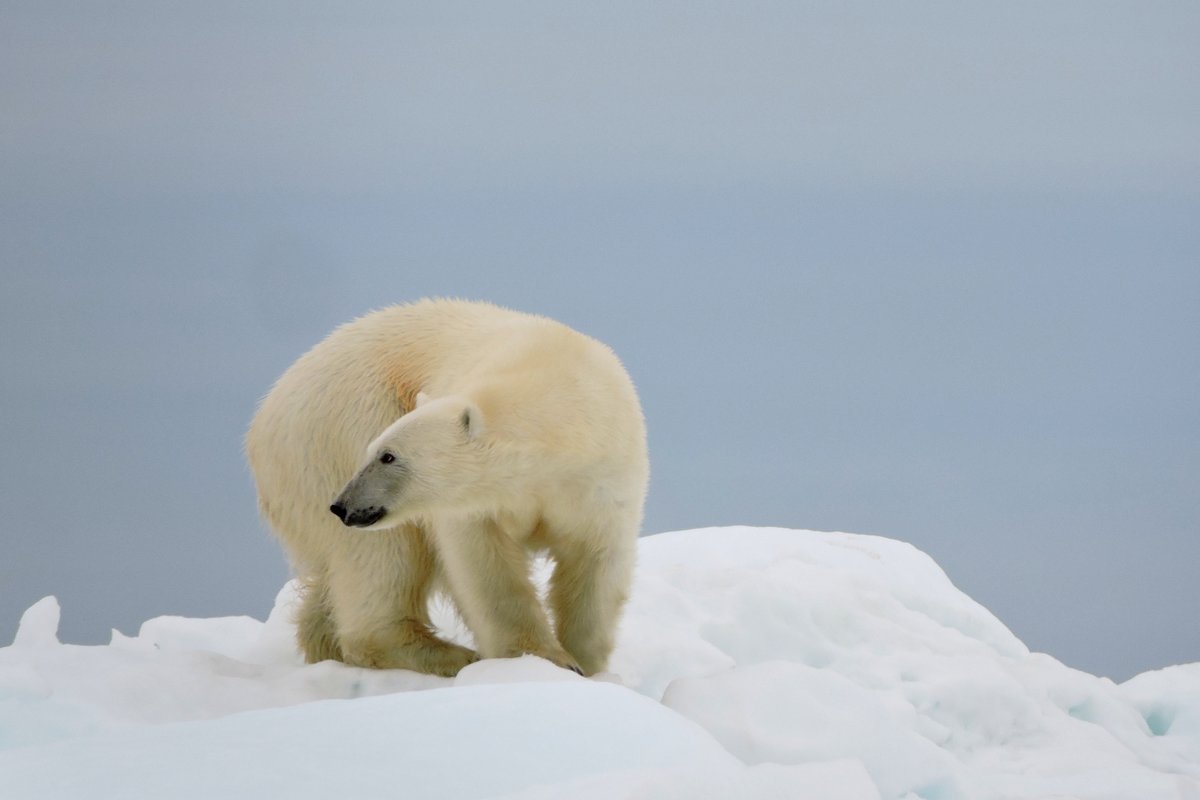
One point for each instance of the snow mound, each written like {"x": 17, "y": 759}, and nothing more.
{"x": 752, "y": 663}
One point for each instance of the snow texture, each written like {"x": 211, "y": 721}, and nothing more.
{"x": 752, "y": 663}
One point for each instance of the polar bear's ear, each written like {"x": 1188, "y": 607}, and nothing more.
{"x": 471, "y": 420}
{"x": 422, "y": 399}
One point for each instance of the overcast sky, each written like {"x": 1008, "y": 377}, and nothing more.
{"x": 927, "y": 271}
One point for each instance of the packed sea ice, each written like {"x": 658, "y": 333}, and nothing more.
{"x": 752, "y": 663}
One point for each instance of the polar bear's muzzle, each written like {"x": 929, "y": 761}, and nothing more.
{"x": 367, "y": 498}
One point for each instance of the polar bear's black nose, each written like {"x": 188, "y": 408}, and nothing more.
{"x": 339, "y": 511}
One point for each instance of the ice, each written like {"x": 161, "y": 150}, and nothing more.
{"x": 751, "y": 663}
{"x": 39, "y": 624}
{"x": 466, "y": 742}
{"x": 787, "y": 713}
{"x": 527, "y": 669}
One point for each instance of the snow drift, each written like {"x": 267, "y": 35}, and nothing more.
{"x": 752, "y": 663}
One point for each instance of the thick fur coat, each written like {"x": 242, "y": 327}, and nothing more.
{"x": 439, "y": 444}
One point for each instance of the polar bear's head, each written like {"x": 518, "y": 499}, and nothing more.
{"x": 431, "y": 457}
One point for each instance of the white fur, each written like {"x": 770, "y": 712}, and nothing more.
{"x": 552, "y": 456}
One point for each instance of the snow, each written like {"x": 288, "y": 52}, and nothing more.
{"x": 752, "y": 663}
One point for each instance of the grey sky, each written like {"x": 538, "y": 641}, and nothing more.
{"x": 929, "y": 272}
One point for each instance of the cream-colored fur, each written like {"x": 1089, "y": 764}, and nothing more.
{"x": 528, "y": 436}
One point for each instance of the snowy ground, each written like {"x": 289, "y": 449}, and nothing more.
{"x": 753, "y": 663}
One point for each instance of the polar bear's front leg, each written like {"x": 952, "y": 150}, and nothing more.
{"x": 488, "y": 573}
{"x": 377, "y": 593}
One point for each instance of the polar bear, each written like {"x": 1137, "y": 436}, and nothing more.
{"x": 437, "y": 445}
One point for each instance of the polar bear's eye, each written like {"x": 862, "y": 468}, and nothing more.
{"x": 387, "y": 458}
